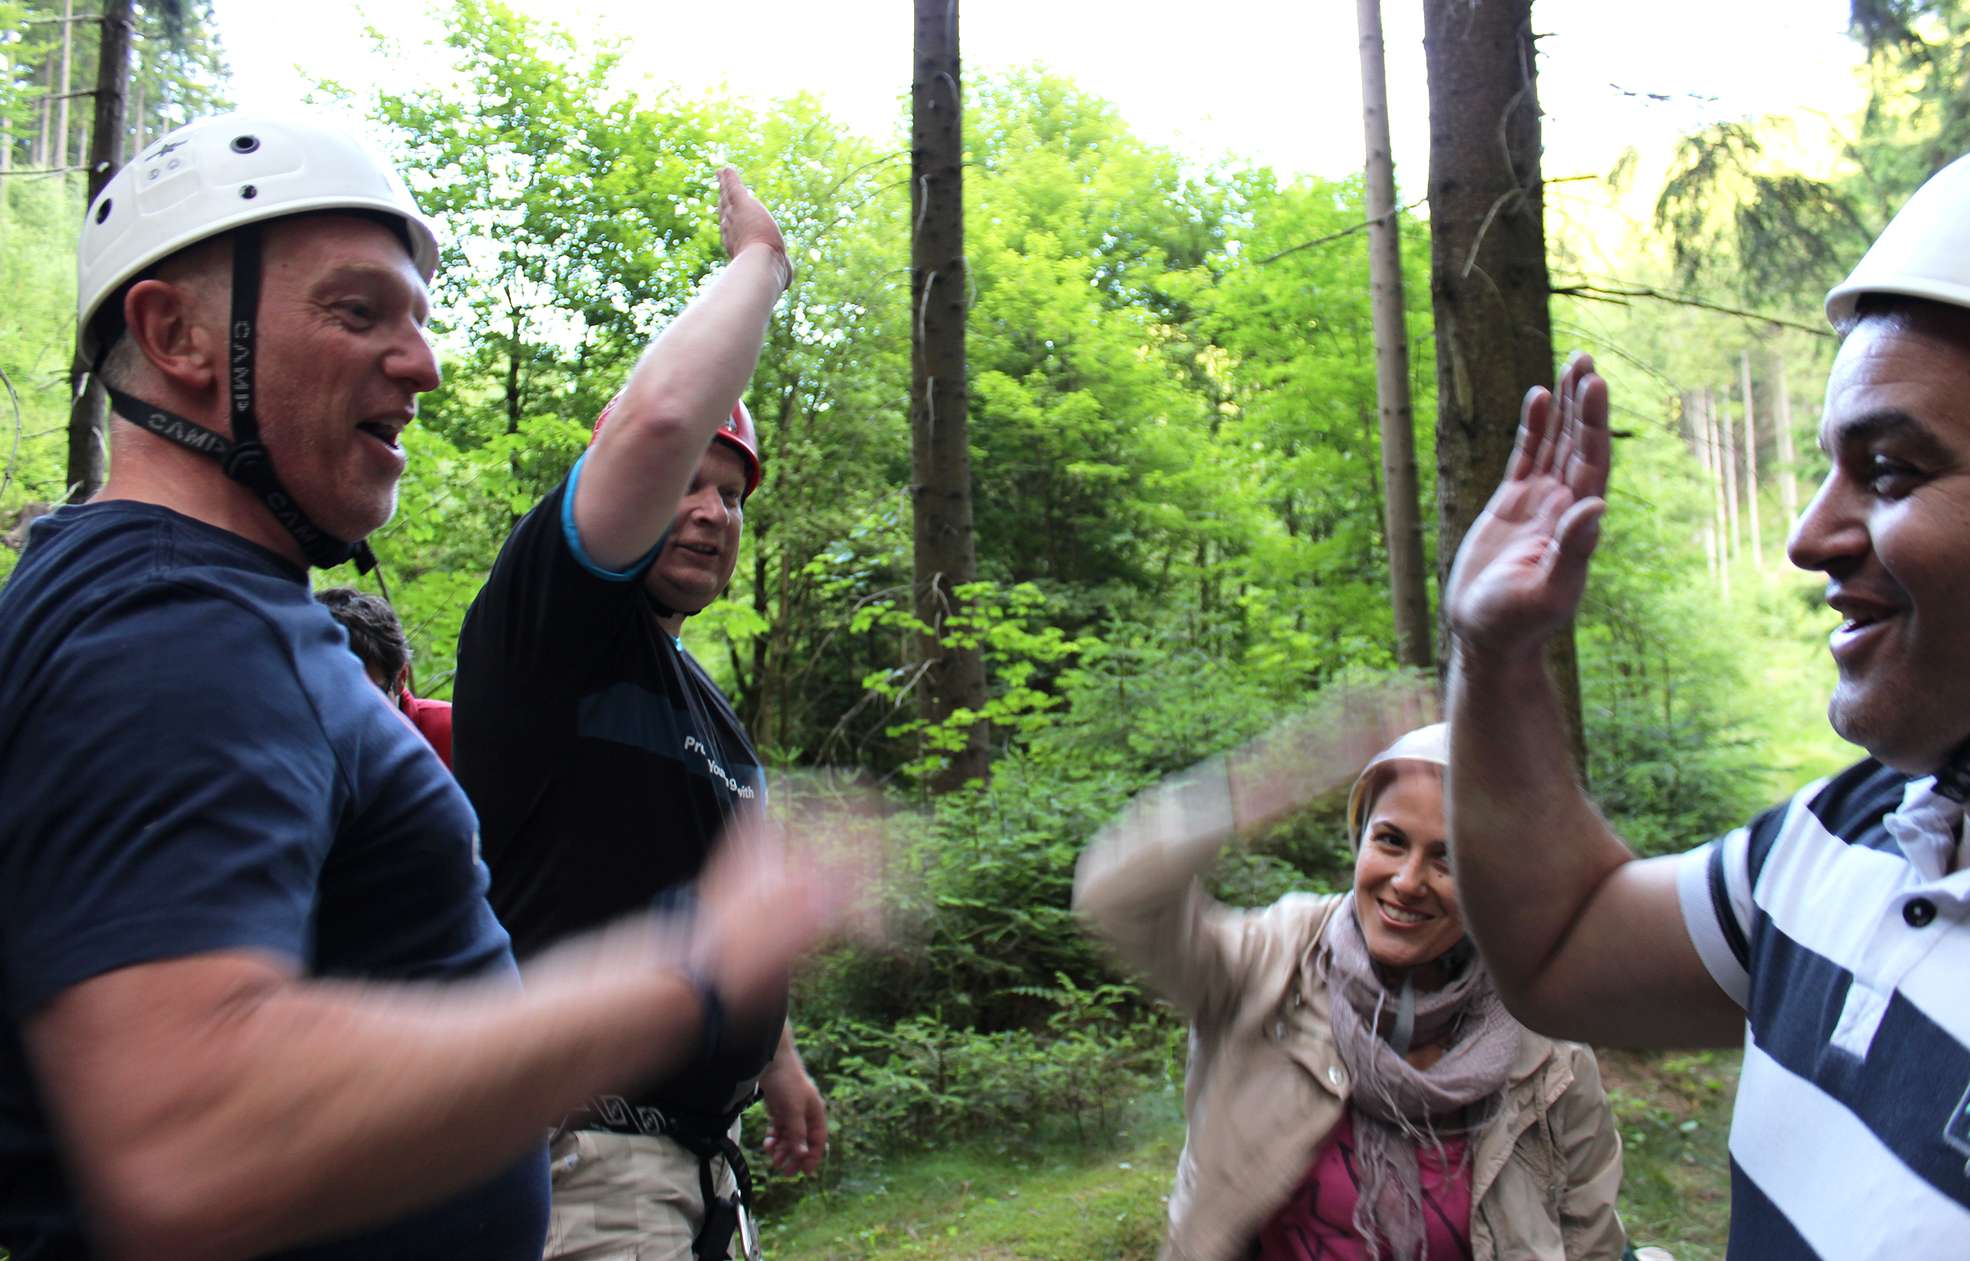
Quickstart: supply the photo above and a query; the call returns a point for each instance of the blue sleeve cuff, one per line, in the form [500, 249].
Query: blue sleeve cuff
[573, 536]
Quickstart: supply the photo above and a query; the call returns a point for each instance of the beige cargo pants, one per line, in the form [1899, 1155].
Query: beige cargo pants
[627, 1197]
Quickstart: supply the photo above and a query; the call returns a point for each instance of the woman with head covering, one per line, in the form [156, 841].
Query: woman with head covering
[1356, 1087]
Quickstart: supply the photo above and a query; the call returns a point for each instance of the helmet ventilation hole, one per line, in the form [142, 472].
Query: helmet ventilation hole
[248, 191]
[245, 144]
[102, 211]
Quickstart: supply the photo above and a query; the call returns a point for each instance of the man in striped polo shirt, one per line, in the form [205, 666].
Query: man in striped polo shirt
[1833, 933]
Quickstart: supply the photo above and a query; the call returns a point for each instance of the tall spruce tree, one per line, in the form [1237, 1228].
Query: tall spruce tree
[1488, 281]
[953, 678]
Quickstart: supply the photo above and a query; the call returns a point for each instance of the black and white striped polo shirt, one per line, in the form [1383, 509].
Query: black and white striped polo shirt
[1836, 923]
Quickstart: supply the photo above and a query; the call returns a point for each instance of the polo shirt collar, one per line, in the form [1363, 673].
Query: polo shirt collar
[1926, 826]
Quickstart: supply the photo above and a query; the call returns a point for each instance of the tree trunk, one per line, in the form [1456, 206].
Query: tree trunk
[1403, 526]
[43, 147]
[953, 677]
[1788, 470]
[1713, 468]
[1727, 451]
[1692, 404]
[1751, 458]
[61, 102]
[88, 406]
[1488, 282]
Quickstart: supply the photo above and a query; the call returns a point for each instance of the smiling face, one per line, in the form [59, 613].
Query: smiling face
[340, 359]
[703, 546]
[1403, 892]
[1889, 528]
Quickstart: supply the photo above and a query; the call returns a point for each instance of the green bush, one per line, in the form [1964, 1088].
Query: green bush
[924, 1082]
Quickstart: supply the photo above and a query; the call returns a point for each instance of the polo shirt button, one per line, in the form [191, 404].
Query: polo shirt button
[1917, 912]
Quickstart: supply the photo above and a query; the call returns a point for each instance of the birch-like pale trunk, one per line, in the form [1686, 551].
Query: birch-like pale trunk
[1788, 468]
[1751, 458]
[1402, 523]
[1727, 447]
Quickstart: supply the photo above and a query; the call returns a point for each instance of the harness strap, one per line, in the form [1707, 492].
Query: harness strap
[721, 1222]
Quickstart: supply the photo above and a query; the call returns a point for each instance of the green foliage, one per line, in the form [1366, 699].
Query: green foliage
[37, 337]
[558, 261]
[1019, 656]
[930, 1080]
[1674, 1113]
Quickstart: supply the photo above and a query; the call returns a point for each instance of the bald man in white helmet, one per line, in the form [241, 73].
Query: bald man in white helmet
[255, 1001]
[1832, 934]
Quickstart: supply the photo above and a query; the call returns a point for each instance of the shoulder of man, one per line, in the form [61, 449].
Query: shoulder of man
[544, 608]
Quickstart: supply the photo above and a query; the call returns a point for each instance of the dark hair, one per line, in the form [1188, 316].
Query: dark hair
[375, 634]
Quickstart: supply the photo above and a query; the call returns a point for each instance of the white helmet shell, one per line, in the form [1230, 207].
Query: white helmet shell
[219, 173]
[1429, 744]
[1924, 252]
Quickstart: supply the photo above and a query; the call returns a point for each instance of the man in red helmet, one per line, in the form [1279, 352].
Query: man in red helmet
[605, 764]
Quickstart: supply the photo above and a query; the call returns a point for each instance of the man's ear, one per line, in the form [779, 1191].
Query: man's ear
[403, 682]
[162, 319]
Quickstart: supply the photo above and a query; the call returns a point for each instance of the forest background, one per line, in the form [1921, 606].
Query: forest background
[1178, 503]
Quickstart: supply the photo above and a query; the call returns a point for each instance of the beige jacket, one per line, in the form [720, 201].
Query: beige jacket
[1266, 1083]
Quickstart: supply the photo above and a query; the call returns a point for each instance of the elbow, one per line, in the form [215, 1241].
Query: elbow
[651, 417]
[662, 402]
[1529, 1002]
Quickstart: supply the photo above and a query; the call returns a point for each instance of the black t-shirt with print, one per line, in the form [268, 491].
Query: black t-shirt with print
[603, 761]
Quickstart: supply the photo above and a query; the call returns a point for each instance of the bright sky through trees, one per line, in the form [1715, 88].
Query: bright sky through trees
[1273, 80]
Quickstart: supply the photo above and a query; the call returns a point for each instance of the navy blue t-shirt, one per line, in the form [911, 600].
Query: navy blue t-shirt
[192, 761]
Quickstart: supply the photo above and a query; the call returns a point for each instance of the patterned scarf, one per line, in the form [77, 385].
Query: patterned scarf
[1398, 1107]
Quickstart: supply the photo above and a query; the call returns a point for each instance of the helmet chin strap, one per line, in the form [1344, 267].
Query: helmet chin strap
[244, 457]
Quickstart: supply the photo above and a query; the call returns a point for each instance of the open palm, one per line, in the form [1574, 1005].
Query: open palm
[1521, 570]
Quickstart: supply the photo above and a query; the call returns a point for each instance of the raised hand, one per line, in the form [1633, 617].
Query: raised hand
[1522, 568]
[743, 221]
[1301, 759]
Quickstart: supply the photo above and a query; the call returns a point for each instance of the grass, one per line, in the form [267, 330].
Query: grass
[1006, 1201]
[1002, 1201]
[1674, 1110]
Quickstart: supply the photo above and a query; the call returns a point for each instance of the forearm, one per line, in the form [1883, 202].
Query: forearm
[699, 365]
[786, 1056]
[679, 394]
[1131, 883]
[378, 1100]
[1137, 888]
[1530, 849]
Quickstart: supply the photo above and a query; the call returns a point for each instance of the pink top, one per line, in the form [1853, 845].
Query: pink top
[1317, 1221]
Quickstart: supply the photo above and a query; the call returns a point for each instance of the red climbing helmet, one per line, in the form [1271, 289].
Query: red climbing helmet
[737, 432]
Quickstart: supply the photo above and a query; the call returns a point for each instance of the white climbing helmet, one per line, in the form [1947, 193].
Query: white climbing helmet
[1924, 252]
[1429, 745]
[218, 173]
